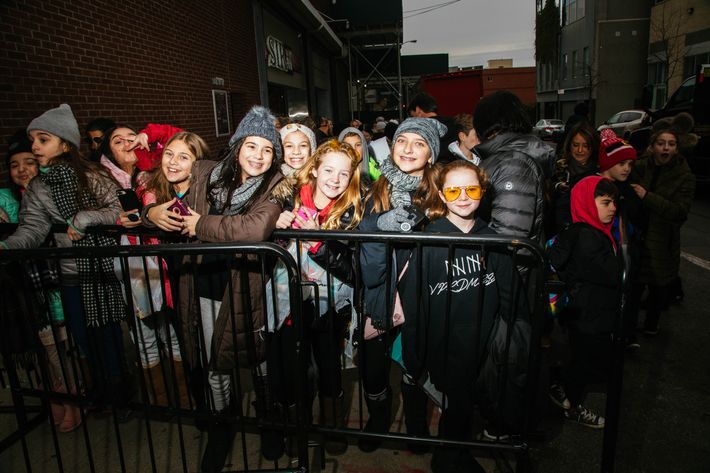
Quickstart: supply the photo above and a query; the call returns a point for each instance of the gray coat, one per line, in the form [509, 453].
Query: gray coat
[38, 213]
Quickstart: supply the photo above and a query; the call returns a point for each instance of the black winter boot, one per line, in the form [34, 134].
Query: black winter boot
[220, 437]
[329, 407]
[415, 415]
[380, 408]
[273, 445]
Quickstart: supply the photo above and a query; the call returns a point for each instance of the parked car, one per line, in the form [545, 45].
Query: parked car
[549, 129]
[692, 96]
[623, 123]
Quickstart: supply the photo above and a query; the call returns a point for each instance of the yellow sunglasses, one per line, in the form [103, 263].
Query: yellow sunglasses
[453, 193]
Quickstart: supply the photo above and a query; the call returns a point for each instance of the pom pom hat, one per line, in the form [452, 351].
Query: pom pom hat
[259, 122]
[614, 150]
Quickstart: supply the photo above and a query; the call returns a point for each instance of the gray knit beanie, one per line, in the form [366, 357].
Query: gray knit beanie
[428, 128]
[259, 122]
[58, 121]
[291, 127]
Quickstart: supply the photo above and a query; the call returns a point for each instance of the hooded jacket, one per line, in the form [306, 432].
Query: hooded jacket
[518, 167]
[457, 153]
[586, 259]
[481, 288]
[366, 177]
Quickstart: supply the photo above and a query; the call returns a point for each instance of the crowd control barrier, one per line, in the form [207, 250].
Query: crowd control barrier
[297, 377]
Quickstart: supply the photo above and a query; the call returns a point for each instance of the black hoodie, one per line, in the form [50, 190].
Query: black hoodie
[481, 288]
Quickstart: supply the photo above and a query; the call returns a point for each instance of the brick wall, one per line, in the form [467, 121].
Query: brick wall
[133, 61]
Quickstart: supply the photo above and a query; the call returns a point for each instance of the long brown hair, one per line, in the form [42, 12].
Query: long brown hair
[82, 168]
[157, 183]
[438, 208]
[424, 196]
[231, 176]
[590, 136]
[350, 198]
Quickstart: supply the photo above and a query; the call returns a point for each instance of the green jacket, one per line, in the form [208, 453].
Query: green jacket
[666, 206]
[9, 204]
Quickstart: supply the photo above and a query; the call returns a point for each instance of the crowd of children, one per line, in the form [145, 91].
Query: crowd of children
[194, 320]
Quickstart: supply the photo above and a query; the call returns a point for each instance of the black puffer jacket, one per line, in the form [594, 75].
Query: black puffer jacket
[518, 167]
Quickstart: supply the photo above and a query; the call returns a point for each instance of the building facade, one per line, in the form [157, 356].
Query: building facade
[679, 41]
[601, 59]
[196, 65]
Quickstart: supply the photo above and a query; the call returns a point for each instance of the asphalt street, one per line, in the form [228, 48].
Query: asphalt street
[665, 406]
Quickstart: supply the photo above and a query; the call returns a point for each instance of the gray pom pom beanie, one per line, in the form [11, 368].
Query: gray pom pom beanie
[259, 122]
[428, 128]
[58, 121]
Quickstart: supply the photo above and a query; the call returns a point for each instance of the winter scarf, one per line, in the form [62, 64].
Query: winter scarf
[100, 290]
[576, 169]
[287, 170]
[401, 183]
[241, 195]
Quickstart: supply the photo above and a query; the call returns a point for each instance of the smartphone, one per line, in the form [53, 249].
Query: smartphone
[416, 215]
[179, 207]
[129, 201]
[305, 213]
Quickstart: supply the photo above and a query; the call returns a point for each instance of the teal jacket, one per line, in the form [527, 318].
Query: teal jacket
[9, 204]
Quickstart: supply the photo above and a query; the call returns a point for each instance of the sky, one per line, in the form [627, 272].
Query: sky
[472, 31]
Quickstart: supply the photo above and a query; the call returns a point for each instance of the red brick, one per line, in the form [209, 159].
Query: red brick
[150, 67]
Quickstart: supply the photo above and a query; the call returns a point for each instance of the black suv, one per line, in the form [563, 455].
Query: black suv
[693, 96]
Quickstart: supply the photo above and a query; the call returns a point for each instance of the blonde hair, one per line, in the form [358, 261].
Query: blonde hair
[157, 182]
[438, 209]
[350, 198]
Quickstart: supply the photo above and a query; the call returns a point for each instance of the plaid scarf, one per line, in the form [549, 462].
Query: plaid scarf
[43, 276]
[100, 290]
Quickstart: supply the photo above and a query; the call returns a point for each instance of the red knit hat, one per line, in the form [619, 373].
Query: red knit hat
[613, 150]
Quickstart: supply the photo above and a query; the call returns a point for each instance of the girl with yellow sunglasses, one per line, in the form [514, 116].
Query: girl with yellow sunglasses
[473, 288]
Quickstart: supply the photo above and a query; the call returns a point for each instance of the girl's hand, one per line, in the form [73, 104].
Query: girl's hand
[310, 223]
[165, 219]
[640, 191]
[285, 220]
[189, 223]
[141, 142]
[307, 224]
[128, 223]
[73, 234]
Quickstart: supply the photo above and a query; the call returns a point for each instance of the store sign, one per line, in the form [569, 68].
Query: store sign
[278, 56]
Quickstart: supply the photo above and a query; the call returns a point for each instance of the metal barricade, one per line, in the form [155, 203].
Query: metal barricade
[157, 433]
[288, 368]
[530, 287]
